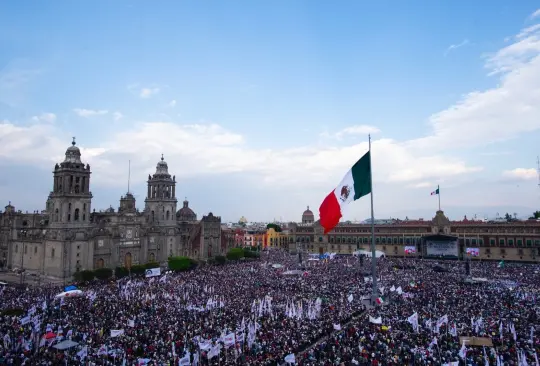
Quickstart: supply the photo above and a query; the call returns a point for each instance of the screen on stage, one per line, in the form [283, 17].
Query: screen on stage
[473, 252]
[410, 250]
[442, 248]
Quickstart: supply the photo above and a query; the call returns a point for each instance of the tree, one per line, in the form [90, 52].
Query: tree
[151, 265]
[121, 272]
[235, 254]
[276, 227]
[179, 264]
[103, 273]
[535, 216]
[507, 217]
[220, 259]
[87, 275]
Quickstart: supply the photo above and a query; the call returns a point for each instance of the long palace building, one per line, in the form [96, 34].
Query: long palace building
[515, 241]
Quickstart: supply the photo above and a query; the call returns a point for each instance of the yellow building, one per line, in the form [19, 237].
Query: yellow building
[275, 239]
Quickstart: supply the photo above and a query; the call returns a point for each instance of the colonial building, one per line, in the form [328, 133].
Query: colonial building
[517, 240]
[69, 236]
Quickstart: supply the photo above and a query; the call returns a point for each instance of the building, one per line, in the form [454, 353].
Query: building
[69, 236]
[516, 241]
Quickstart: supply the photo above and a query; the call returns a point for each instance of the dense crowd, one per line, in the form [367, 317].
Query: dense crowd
[269, 312]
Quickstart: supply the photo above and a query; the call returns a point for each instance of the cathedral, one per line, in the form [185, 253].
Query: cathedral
[68, 236]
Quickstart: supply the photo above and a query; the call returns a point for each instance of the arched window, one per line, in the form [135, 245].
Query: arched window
[69, 217]
[168, 215]
[56, 215]
[52, 252]
[100, 263]
[152, 215]
[76, 214]
[152, 257]
[84, 207]
[69, 207]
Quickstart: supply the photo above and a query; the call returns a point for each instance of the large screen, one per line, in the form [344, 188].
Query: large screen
[473, 252]
[442, 248]
[410, 250]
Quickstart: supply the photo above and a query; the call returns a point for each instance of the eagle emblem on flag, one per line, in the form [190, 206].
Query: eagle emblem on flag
[345, 191]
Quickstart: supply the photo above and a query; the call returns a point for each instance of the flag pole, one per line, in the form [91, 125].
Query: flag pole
[374, 289]
[438, 190]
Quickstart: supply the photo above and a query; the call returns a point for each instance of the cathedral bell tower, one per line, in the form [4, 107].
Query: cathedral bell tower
[70, 201]
[160, 203]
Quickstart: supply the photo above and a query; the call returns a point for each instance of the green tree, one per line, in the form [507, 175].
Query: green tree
[180, 264]
[235, 254]
[151, 265]
[535, 216]
[508, 217]
[138, 269]
[220, 259]
[276, 227]
[103, 273]
[87, 275]
[121, 272]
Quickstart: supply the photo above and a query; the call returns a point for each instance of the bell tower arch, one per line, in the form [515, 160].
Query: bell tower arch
[160, 203]
[69, 203]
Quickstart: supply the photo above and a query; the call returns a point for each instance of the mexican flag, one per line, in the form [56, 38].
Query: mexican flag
[355, 184]
[435, 192]
[380, 300]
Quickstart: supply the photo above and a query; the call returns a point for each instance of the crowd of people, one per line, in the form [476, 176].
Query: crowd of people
[271, 312]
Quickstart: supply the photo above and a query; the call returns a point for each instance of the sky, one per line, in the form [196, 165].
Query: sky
[260, 108]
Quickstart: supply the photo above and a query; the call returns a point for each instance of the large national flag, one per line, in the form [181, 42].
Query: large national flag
[435, 192]
[355, 184]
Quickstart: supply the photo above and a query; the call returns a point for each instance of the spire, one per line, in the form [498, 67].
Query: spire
[73, 142]
[308, 208]
[162, 157]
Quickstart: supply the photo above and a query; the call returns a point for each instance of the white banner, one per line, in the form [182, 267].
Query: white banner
[153, 272]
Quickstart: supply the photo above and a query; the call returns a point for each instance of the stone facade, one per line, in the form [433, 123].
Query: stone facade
[68, 236]
[516, 241]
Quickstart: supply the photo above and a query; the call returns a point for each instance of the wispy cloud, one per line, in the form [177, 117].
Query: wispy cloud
[148, 92]
[351, 131]
[454, 47]
[45, 117]
[172, 103]
[118, 116]
[89, 112]
[536, 14]
[521, 174]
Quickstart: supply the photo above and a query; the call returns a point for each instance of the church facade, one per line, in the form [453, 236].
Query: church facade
[70, 236]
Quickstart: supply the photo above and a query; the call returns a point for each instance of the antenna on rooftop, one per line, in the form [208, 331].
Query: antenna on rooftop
[129, 174]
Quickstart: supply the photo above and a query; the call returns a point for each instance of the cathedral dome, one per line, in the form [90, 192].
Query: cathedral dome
[162, 168]
[73, 154]
[186, 213]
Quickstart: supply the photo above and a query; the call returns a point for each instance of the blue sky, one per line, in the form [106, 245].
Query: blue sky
[261, 107]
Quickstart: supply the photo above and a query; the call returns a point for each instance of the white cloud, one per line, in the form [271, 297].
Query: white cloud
[351, 131]
[118, 116]
[148, 92]
[508, 110]
[45, 117]
[496, 114]
[86, 113]
[535, 14]
[521, 174]
[172, 103]
[453, 47]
